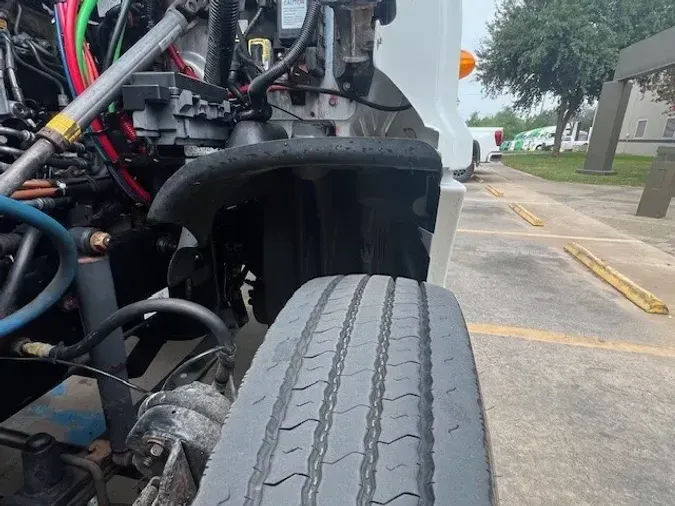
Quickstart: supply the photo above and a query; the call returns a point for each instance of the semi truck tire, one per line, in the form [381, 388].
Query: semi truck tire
[465, 175]
[363, 392]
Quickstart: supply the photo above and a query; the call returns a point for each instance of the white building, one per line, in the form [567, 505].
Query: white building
[648, 124]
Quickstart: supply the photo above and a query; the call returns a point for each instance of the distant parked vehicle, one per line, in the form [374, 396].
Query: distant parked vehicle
[580, 144]
[543, 142]
[486, 143]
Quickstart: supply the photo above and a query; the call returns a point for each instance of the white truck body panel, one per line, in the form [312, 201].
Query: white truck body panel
[428, 78]
[432, 89]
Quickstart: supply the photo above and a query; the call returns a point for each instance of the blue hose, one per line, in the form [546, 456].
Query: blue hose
[64, 275]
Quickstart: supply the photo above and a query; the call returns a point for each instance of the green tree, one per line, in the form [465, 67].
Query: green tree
[545, 118]
[563, 48]
[585, 118]
[663, 85]
[506, 118]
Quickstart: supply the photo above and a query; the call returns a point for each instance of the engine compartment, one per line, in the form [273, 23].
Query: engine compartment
[164, 167]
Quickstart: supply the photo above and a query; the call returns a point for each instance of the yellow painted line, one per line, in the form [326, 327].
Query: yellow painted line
[522, 202]
[546, 236]
[478, 179]
[527, 215]
[642, 298]
[545, 336]
[495, 191]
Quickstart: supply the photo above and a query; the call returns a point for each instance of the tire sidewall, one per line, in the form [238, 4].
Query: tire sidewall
[464, 175]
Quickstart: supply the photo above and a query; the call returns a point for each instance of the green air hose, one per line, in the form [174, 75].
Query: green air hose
[86, 10]
[83, 17]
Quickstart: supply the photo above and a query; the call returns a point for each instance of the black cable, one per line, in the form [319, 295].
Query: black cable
[139, 326]
[19, 15]
[248, 61]
[75, 365]
[129, 313]
[350, 96]
[116, 34]
[258, 87]
[181, 367]
[22, 260]
[121, 183]
[44, 74]
[287, 112]
[253, 22]
[46, 53]
[42, 64]
[58, 161]
[232, 88]
[10, 68]
[244, 55]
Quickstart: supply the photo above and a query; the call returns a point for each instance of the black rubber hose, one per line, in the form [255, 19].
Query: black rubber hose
[36, 55]
[222, 26]
[150, 13]
[232, 79]
[13, 438]
[251, 25]
[9, 243]
[116, 33]
[257, 90]
[22, 260]
[54, 161]
[51, 76]
[136, 310]
[10, 68]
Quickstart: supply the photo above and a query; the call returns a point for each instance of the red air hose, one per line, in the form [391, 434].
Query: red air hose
[178, 61]
[68, 14]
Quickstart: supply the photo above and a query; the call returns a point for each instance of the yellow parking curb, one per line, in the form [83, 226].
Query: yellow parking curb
[495, 191]
[478, 179]
[526, 215]
[645, 300]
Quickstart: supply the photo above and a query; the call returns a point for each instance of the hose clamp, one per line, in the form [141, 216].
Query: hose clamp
[61, 131]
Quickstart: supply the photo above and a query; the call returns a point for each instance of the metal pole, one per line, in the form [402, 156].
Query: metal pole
[140, 56]
[607, 128]
[67, 126]
[25, 166]
[96, 296]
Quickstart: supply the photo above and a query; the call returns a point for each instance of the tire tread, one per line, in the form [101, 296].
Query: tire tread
[365, 386]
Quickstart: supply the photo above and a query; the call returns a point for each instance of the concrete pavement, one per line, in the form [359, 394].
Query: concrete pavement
[577, 380]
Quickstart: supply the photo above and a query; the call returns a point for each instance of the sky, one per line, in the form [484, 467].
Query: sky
[476, 14]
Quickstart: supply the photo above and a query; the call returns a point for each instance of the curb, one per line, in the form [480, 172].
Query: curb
[642, 298]
[527, 215]
[495, 191]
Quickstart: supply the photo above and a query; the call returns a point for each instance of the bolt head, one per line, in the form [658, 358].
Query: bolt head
[156, 450]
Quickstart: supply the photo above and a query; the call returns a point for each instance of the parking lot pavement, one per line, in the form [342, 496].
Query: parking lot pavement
[576, 379]
[612, 205]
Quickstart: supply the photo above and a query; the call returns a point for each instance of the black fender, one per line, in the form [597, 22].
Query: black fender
[308, 207]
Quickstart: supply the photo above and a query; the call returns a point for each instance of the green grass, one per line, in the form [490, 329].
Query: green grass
[630, 170]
